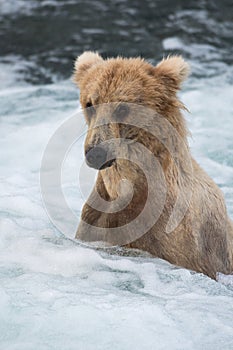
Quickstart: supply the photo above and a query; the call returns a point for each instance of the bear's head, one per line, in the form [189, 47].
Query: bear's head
[115, 91]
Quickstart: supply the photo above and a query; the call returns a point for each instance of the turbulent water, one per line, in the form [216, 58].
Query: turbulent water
[55, 293]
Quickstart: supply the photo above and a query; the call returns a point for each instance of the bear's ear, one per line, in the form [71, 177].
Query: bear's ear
[83, 63]
[173, 69]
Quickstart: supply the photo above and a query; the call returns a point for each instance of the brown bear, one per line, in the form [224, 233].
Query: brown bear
[114, 93]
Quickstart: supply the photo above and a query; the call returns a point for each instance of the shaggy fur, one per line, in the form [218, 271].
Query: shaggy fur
[203, 240]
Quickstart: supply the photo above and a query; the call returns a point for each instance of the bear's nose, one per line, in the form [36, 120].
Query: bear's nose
[96, 157]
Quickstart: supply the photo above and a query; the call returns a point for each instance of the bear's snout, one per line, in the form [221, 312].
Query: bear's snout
[96, 157]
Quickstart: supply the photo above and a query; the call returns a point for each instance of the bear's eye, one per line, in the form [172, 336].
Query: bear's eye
[121, 112]
[89, 104]
[90, 110]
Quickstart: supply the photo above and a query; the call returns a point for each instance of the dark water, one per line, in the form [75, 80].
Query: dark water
[48, 35]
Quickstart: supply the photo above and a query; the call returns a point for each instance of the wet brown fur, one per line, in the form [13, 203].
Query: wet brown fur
[203, 240]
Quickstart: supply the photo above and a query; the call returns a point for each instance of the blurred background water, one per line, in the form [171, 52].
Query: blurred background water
[55, 294]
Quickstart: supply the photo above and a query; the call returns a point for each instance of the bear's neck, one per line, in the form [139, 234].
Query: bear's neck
[137, 180]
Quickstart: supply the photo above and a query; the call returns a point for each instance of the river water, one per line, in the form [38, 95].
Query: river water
[55, 293]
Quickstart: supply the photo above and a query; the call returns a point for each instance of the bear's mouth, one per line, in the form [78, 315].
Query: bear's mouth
[108, 164]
